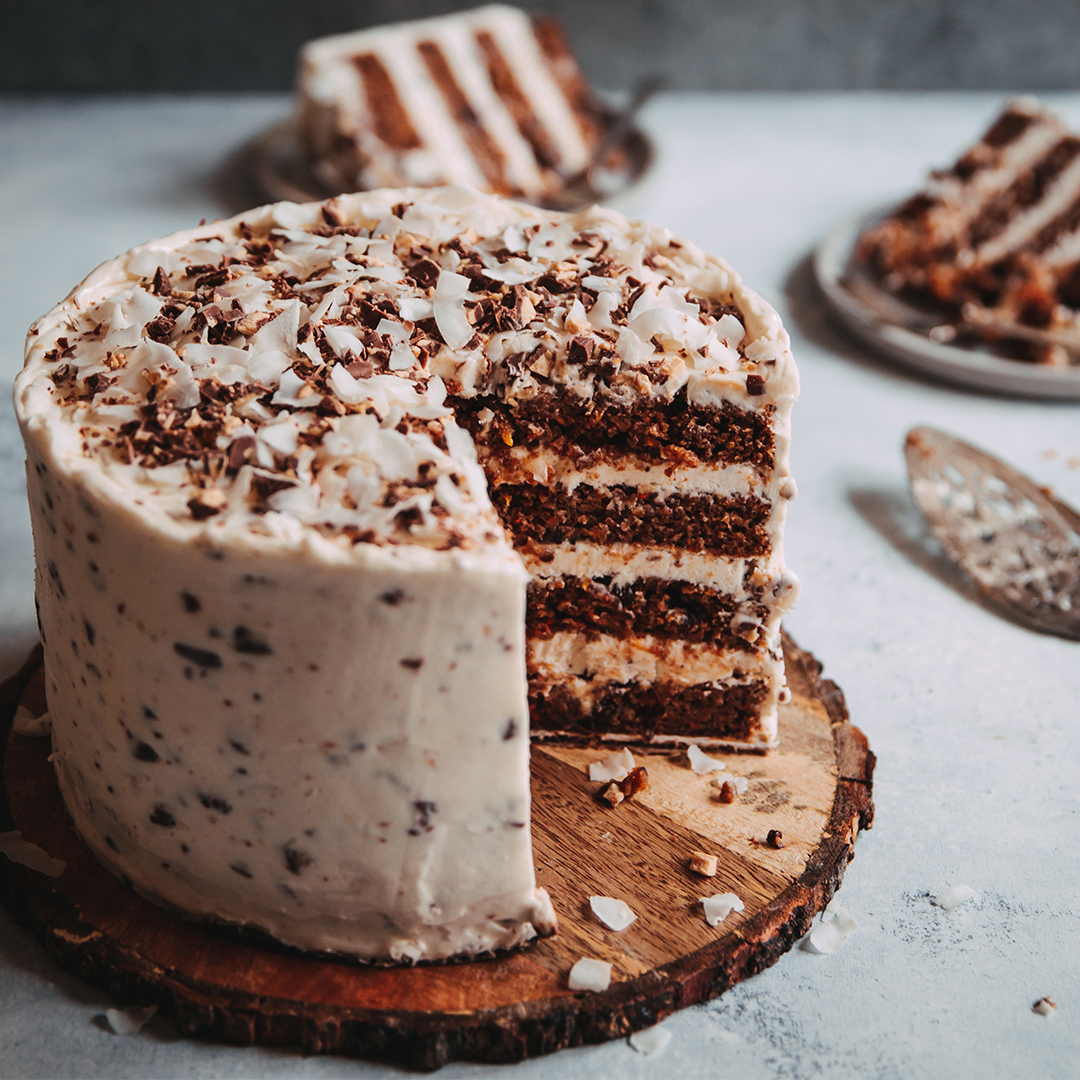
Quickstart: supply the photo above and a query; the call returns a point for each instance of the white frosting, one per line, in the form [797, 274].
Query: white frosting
[283, 628]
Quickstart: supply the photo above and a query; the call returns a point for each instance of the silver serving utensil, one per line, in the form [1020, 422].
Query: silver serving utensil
[1019, 544]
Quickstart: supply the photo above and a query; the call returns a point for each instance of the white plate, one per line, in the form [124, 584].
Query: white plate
[883, 321]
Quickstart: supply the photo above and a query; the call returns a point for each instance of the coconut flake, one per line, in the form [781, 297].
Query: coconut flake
[589, 974]
[651, 1041]
[701, 763]
[129, 1021]
[830, 933]
[26, 723]
[954, 897]
[719, 907]
[613, 767]
[613, 913]
[1045, 1006]
[24, 853]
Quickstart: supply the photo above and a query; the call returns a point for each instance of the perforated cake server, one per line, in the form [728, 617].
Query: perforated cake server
[1019, 544]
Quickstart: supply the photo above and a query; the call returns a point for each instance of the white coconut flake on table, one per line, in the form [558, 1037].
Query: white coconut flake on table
[613, 913]
[1045, 1007]
[614, 767]
[26, 723]
[954, 897]
[651, 1041]
[832, 932]
[701, 763]
[129, 1021]
[719, 907]
[24, 853]
[589, 974]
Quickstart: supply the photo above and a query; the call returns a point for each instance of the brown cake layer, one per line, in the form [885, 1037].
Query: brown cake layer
[517, 103]
[389, 117]
[674, 431]
[639, 711]
[678, 610]
[732, 525]
[482, 146]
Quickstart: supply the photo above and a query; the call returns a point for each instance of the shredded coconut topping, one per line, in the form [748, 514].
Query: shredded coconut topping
[294, 368]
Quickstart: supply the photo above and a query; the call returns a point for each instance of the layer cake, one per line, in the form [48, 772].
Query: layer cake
[327, 499]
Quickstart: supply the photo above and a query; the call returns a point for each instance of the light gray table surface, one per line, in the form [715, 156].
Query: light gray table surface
[976, 723]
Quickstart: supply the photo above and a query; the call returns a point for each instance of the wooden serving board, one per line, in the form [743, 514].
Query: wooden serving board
[815, 789]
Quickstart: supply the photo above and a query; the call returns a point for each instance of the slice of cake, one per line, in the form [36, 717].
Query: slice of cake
[327, 498]
[994, 241]
[493, 98]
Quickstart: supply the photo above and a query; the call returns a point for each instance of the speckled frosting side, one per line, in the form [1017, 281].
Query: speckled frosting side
[284, 626]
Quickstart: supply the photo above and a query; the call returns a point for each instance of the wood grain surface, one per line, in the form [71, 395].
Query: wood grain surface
[815, 789]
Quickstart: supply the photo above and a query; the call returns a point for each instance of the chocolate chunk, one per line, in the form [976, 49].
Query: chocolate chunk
[239, 450]
[203, 657]
[393, 597]
[414, 663]
[191, 603]
[162, 817]
[423, 812]
[241, 869]
[296, 860]
[510, 730]
[581, 349]
[90, 635]
[755, 385]
[239, 747]
[149, 713]
[215, 802]
[247, 641]
[425, 273]
[144, 751]
[361, 369]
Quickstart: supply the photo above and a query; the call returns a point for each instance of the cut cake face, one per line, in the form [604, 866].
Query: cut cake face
[492, 97]
[329, 499]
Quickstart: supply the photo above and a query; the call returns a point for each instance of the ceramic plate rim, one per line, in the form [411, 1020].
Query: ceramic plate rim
[966, 367]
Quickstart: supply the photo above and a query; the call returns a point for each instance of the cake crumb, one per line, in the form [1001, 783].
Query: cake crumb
[703, 864]
[636, 780]
[775, 839]
[728, 792]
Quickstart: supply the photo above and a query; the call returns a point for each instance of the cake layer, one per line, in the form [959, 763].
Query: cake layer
[674, 431]
[707, 714]
[735, 525]
[665, 609]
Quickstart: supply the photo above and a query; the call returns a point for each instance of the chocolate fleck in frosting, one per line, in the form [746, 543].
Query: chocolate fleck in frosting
[290, 475]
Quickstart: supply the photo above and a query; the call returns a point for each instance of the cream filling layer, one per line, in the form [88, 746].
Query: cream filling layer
[569, 657]
[551, 469]
[626, 563]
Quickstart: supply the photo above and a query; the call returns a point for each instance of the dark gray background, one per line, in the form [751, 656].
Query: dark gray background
[157, 45]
